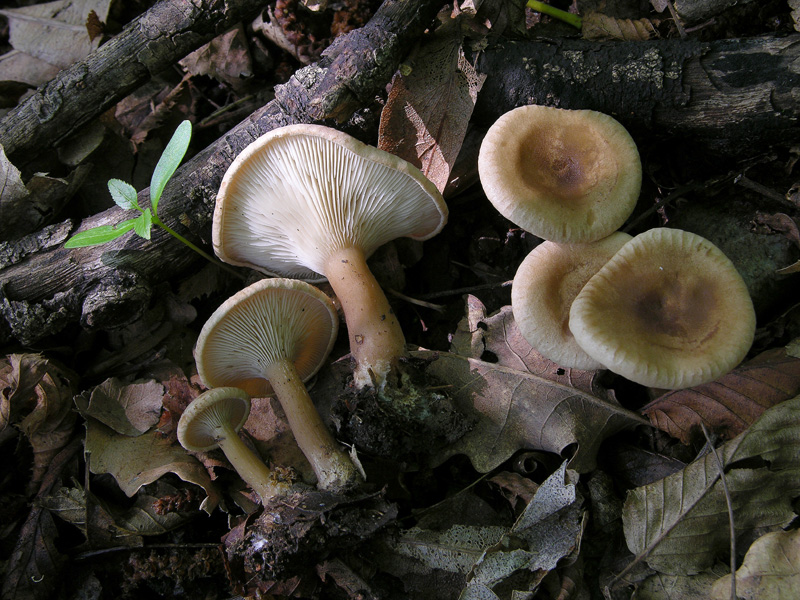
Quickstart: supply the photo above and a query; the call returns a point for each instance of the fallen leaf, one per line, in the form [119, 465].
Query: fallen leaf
[127, 408]
[770, 571]
[680, 523]
[795, 6]
[37, 399]
[730, 404]
[514, 408]
[226, 58]
[13, 192]
[675, 587]
[549, 529]
[136, 461]
[425, 117]
[597, 26]
[55, 32]
[23, 68]
[455, 549]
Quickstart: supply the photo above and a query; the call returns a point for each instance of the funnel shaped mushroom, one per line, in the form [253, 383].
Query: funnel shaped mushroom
[669, 310]
[213, 420]
[545, 285]
[268, 339]
[305, 200]
[570, 176]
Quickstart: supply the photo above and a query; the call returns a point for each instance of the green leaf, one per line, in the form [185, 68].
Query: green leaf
[99, 235]
[124, 194]
[169, 161]
[143, 223]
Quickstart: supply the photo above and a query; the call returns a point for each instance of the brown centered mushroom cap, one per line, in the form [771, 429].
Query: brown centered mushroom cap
[669, 310]
[545, 285]
[300, 193]
[267, 321]
[570, 176]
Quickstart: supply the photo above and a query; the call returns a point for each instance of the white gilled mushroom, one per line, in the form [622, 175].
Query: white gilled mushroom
[305, 200]
[545, 285]
[669, 310]
[269, 338]
[570, 176]
[213, 420]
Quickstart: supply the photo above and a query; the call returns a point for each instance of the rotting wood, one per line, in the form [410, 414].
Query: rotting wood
[151, 43]
[736, 96]
[44, 287]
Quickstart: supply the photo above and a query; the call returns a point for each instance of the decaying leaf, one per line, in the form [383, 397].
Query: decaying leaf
[730, 404]
[770, 571]
[549, 529]
[55, 32]
[129, 409]
[597, 26]
[36, 397]
[795, 6]
[514, 407]
[675, 587]
[13, 192]
[426, 115]
[680, 523]
[226, 58]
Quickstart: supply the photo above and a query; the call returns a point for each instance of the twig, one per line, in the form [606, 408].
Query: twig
[730, 508]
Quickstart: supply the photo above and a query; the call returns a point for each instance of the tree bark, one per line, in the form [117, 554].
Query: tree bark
[44, 287]
[151, 43]
[735, 96]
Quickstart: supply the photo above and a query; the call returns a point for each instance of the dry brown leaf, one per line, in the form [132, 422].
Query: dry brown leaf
[730, 404]
[426, 115]
[36, 397]
[597, 26]
[226, 58]
[515, 408]
[128, 408]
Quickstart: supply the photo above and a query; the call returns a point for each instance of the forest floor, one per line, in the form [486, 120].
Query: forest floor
[522, 479]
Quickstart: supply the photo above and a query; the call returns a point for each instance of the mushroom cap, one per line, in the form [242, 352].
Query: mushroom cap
[669, 310]
[209, 415]
[545, 285]
[564, 175]
[270, 320]
[301, 192]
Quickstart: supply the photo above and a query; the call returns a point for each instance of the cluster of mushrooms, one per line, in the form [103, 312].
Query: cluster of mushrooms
[666, 309]
[302, 203]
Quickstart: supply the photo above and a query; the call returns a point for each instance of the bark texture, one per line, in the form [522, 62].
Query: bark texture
[733, 96]
[151, 43]
[44, 287]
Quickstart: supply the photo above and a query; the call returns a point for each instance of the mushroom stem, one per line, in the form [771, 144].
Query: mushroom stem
[333, 468]
[376, 339]
[249, 466]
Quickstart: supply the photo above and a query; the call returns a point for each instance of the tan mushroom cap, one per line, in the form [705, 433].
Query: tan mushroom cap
[570, 176]
[200, 424]
[669, 310]
[302, 192]
[545, 285]
[267, 321]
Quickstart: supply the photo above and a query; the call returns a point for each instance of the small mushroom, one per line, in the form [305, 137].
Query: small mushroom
[570, 176]
[269, 338]
[669, 310]
[213, 420]
[306, 200]
[545, 285]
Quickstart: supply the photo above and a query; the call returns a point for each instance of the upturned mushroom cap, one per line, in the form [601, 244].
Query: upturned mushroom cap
[669, 310]
[268, 320]
[205, 418]
[564, 175]
[301, 192]
[545, 285]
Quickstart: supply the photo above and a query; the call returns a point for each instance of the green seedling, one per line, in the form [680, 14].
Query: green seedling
[556, 13]
[125, 196]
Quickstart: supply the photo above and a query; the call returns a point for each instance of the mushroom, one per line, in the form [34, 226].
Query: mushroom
[669, 310]
[213, 420]
[307, 200]
[570, 176]
[268, 339]
[546, 283]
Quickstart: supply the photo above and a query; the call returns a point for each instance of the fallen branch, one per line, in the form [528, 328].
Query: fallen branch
[44, 287]
[151, 43]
